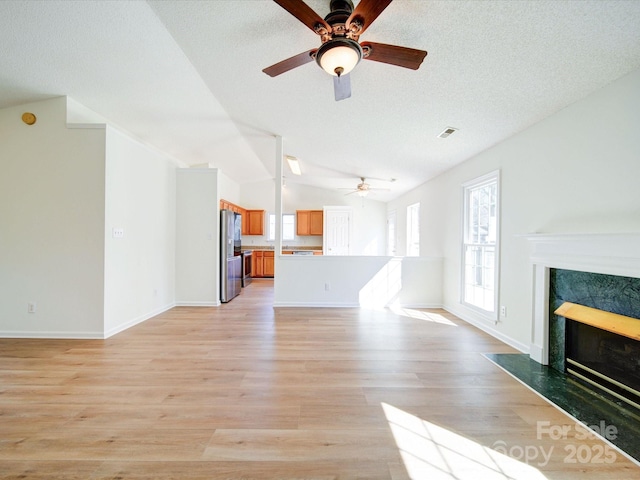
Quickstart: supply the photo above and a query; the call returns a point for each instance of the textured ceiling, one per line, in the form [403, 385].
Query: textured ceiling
[186, 77]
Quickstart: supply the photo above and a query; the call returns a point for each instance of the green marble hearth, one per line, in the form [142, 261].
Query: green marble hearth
[576, 398]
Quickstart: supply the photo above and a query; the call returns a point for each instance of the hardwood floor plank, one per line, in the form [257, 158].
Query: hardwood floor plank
[107, 444]
[300, 445]
[342, 417]
[248, 391]
[252, 470]
[187, 417]
[47, 470]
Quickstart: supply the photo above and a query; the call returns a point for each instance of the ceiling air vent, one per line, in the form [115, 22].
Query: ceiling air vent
[448, 131]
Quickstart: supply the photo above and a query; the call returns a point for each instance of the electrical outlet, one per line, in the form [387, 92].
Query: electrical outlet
[503, 311]
[31, 307]
[327, 287]
[118, 232]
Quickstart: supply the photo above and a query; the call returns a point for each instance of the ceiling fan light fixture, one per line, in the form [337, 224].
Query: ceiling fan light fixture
[363, 193]
[339, 56]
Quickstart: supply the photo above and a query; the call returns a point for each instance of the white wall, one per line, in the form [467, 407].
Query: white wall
[367, 278]
[140, 199]
[576, 171]
[228, 189]
[197, 237]
[51, 224]
[354, 281]
[369, 216]
[258, 195]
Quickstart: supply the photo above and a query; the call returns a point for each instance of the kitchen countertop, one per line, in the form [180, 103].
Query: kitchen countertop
[285, 248]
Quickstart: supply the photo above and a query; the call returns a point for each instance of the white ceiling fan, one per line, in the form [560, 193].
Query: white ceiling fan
[363, 189]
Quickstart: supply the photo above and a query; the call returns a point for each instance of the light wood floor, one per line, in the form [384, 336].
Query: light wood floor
[244, 391]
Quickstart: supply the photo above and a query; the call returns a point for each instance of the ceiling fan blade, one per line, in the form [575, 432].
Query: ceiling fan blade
[290, 63]
[342, 87]
[304, 13]
[394, 55]
[367, 11]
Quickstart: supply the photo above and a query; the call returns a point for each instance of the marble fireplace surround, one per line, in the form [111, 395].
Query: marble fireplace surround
[612, 254]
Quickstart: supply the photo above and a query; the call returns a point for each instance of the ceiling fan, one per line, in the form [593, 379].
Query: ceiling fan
[340, 50]
[363, 189]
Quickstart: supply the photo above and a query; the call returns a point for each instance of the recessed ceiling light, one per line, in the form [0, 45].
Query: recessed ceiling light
[447, 131]
[294, 165]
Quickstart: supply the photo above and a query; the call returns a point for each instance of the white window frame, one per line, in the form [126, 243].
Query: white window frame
[483, 248]
[413, 231]
[271, 234]
[392, 233]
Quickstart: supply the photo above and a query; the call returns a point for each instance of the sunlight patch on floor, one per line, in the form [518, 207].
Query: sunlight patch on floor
[421, 315]
[432, 452]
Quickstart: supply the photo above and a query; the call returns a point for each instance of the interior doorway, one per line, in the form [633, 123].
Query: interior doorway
[337, 231]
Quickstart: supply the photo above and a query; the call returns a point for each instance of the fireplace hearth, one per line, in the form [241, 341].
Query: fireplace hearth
[600, 271]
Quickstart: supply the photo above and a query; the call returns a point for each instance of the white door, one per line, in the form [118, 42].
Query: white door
[337, 231]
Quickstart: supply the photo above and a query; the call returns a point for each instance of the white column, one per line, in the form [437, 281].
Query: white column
[539, 350]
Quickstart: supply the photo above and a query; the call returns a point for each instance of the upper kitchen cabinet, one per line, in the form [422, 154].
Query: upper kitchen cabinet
[309, 222]
[254, 222]
[224, 205]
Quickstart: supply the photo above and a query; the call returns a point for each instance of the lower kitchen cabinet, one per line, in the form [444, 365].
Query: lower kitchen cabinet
[263, 263]
[268, 266]
[257, 267]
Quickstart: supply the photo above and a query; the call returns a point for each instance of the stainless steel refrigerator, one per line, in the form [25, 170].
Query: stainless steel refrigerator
[230, 259]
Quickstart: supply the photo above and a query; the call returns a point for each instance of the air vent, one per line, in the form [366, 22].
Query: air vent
[448, 131]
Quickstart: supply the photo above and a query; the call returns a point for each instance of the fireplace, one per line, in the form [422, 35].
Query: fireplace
[602, 349]
[613, 255]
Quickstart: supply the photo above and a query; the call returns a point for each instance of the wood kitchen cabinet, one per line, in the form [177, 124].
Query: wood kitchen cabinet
[268, 266]
[257, 269]
[309, 222]
[263, 263]
[254, 222]
[245, 224]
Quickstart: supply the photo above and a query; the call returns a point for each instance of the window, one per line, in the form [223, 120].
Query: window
[480, 241]
[413, 230]
[288, 226]
[391, 233]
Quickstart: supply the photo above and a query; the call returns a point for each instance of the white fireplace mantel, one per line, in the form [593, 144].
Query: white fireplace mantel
[612, 254]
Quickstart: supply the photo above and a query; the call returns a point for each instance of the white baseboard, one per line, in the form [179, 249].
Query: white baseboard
[430, 306]
[352, 305]
[53, 335]
[198, 304]
[135, 321]
[315, 305]
[486, 327]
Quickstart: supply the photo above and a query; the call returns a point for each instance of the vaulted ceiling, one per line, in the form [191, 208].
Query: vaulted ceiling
[186, 76]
